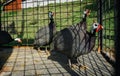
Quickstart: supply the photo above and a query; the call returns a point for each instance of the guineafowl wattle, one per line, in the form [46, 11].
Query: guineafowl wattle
[45, 35]
[76, 40]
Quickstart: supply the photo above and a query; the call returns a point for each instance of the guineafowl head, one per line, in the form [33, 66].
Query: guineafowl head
[96, 27]
[50, 14]
[86, 13]
[18, 40]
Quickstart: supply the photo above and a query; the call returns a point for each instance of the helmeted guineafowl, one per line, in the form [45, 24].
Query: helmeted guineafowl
[75, 40]
[45, 35]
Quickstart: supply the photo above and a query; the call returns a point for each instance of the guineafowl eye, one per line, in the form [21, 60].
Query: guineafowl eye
[95, 25]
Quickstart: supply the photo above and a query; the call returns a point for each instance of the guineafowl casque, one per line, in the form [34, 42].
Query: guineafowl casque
[75, 40]
[45, 35]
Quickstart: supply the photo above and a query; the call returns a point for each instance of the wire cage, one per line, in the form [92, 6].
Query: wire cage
[22, 18]
[108, 34]
[24, 21]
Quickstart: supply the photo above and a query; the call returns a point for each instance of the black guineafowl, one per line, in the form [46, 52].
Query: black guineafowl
[6, 38]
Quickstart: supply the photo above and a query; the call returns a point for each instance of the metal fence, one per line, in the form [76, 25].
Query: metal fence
[24, 21]
[33, 15]
[106, 17]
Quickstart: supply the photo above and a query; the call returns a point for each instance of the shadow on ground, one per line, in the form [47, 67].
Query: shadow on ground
[63, 61]
[5, 53]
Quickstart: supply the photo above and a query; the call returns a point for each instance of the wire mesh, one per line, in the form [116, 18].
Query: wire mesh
[23, 18]
[109, 27]
[25, 21]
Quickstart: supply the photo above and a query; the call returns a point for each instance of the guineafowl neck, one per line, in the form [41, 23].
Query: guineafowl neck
[93, 32]
[52, 20]
[84, 17]
[51, 24]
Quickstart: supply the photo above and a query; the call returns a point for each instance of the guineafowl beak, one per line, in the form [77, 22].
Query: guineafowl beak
[52, 14]
[100, 27]
[18, 40]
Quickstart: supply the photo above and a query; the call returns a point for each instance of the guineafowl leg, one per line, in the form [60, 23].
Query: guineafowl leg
[39, 49]
[69, 63]
[74, 63]
[47, 52]
[36, 47]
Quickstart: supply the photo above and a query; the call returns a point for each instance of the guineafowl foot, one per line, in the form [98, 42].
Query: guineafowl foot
[80, 66]
[83, 67]
[77, 66]
[47, 52]
[73, 64]
[99, 49]
[36, 47]
[39, 50]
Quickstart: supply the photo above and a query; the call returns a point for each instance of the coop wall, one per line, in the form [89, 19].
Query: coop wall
[13, 5]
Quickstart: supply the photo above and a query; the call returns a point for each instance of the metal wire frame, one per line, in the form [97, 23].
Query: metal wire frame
[28, 20]
[106, 17]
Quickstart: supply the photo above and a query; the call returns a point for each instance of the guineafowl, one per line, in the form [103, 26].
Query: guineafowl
[45, 35]
[75, 40]
[6, 38]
